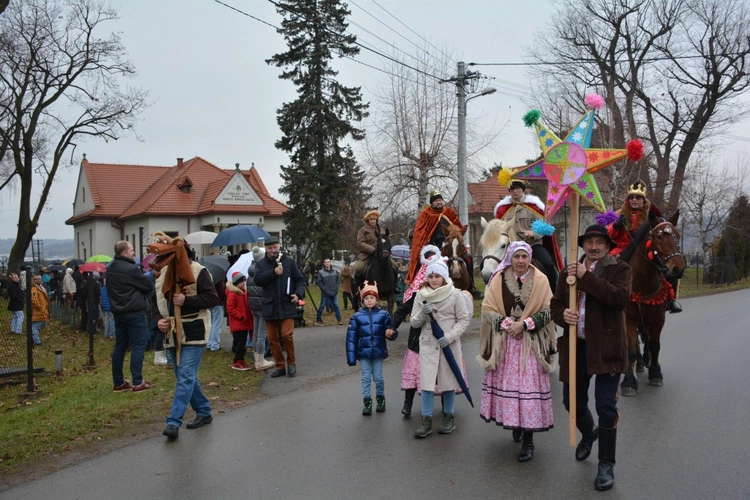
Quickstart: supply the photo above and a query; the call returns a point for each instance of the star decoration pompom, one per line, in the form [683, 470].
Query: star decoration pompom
[635, 150]
[530, 118]
[542, 228]
[607, 218]
[594, 101]
[504, 176]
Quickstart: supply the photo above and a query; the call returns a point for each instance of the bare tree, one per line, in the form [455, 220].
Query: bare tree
[669, 70]
[59, 83]
[411, 144]
[708, 196]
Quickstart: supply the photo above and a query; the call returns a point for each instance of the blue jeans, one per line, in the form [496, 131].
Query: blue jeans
[132, 330]
[449, 402]
[372, 369]
[36, 327]
[333, 301]
[109, 325]
[188, 389]
[214, 338]
[16, 322]
[259, 334]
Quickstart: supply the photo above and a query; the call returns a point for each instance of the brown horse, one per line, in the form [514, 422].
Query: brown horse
[655, 254]
[455, 250]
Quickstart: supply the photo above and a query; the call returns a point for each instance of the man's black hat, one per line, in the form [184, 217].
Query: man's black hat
[595, 230]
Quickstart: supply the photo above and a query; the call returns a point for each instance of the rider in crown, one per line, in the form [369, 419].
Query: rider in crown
[633, 213]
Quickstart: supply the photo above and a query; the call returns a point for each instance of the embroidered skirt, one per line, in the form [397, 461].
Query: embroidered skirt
[516, 399]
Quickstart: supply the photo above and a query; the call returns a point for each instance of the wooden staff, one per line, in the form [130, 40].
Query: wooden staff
[177, 319]
[572, 281]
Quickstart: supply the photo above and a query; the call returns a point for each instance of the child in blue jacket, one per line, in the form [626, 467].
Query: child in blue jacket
[365, 341]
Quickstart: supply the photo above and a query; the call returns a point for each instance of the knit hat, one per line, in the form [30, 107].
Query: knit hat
[369, 289]
[437, 267]
[372, 214]
[435, 195]
[237, 278]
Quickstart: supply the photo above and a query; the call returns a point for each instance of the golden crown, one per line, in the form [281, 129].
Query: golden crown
[637, 188]
[434, 192]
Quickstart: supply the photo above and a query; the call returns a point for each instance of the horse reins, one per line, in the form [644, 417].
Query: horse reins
[658, 262]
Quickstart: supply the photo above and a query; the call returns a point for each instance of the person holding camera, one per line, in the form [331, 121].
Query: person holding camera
[283, 286]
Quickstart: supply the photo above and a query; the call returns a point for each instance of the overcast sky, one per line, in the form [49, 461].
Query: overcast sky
[214, 96]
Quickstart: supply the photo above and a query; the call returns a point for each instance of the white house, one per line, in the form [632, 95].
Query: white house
[130, 202]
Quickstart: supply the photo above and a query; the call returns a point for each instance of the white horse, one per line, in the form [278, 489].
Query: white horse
[494, 242]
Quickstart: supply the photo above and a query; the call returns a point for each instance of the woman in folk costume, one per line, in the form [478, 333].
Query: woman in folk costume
[410, 368]
[517, 338]
[440, 299]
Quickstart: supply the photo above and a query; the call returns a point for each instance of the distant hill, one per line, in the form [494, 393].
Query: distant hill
[50, 249]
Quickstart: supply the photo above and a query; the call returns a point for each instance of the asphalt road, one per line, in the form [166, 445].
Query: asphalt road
[307, 439]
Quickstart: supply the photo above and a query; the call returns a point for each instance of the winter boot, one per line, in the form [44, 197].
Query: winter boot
[527, 447]
[425, 428]
[160, 358]
[448, 425]
[380, 407]
[605, 478]
[367, 408]
[408, 402]
[261, 363]
[589, 434]
[674, 307]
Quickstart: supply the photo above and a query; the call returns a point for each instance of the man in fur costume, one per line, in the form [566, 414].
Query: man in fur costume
[523, 209]
[429, 229]
[367, 242]
[633, 213]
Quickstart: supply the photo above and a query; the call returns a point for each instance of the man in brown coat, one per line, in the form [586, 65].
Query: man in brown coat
[604, 289]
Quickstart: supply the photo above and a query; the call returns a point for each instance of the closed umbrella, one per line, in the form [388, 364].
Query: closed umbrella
[217, 265]
[99, 258]
[240, 234]
[437, 332]
[201, 237]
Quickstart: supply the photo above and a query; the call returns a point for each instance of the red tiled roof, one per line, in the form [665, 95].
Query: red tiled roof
[124, 191]
[486, 194]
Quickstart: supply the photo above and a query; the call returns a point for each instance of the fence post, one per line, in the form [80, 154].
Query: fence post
[31, 392]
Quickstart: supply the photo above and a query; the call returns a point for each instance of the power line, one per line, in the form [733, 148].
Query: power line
[405, 26]
[246, 14]
[589, 61]
[385, 56]
[393, 30]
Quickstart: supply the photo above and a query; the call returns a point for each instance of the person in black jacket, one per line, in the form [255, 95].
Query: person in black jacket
[283, 286]
[15, 304]
[127, 288]
[255, 299]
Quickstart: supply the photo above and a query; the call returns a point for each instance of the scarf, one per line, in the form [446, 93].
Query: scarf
[492, 338]
[433, 295]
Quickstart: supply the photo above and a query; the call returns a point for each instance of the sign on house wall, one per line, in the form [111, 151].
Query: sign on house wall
[238, 192]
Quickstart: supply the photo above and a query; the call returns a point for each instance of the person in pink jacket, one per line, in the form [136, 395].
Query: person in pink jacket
[240, 319]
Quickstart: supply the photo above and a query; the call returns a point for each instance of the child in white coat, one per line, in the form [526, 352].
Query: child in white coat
[440, 298]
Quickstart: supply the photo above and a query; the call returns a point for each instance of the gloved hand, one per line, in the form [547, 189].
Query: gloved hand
[443, 341]
[619, 223]
[427, 308]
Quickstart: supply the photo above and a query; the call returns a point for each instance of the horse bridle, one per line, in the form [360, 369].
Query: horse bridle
[664, 227]
[490, 256]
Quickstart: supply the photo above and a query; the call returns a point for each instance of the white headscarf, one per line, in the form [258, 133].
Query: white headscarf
[513, 247]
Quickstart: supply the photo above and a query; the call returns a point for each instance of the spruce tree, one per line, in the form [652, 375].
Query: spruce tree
[322, 170]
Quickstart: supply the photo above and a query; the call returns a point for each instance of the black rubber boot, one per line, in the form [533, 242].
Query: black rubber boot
[674, 307]
[408, 402]
[589, 434]
[367, 407]
[605, 478]
[527, 447]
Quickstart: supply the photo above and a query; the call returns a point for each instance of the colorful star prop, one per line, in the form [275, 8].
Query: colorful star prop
[569, 164]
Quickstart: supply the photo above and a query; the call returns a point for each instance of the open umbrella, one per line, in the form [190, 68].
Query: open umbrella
[217, 265]
[201, 237]
[401, 252]
[99, 258]
[437, 332]
[242, 265]
[57, 267]
[72, 262]
[239, 234]
[90, 267]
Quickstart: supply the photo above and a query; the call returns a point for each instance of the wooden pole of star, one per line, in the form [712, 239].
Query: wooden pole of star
[572, 305]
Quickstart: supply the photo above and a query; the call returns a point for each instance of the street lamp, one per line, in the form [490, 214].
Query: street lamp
[463, 186]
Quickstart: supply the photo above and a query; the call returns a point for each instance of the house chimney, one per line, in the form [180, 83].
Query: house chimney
[179, 162]
[237, 168]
